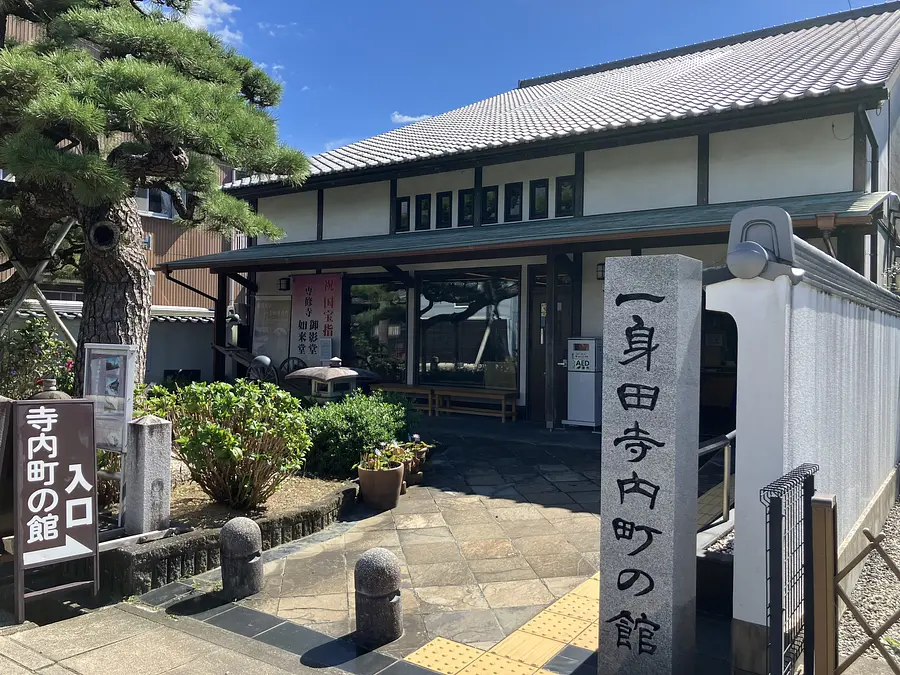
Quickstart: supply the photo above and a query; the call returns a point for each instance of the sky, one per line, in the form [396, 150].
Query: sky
[352, 69]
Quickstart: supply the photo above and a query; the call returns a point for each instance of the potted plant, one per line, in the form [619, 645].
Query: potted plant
[418, 453]
[380, 478]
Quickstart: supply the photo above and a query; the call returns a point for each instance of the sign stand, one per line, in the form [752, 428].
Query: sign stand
[55, 491]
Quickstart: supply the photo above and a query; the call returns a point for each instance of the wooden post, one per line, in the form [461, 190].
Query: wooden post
[220, 327]
[550, 348]
[476, 197]
[824, 542]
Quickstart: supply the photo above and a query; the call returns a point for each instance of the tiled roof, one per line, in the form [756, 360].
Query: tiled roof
[833, 54]
[386, 248]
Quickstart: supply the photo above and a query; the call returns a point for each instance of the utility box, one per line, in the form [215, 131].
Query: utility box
[585, 366]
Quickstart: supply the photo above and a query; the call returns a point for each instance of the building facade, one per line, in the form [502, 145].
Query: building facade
[471, 245]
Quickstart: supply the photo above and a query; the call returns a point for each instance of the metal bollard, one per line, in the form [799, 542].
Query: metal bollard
[240, 543]
[379, 609]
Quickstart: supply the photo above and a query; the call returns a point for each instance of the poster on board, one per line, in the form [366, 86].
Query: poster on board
[315, 316]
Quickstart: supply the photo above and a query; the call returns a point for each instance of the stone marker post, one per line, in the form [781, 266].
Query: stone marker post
[240, 546]
[648, 503]
[379, 607]
[148, 475]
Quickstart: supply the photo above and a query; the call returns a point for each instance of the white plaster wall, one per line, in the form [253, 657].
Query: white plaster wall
[709, 254]
[526, 171]
[781, 160]
[640, 177]
[592, 292]
[881, 126]
[843, 398]
[452, 181]
[294, 213]
[179, 345]
[357, 210]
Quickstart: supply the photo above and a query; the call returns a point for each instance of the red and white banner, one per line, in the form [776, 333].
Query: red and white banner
[316, 317]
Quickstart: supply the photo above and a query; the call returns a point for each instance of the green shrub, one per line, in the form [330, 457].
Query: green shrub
[238, 441]
[342, 431]
[30, 353]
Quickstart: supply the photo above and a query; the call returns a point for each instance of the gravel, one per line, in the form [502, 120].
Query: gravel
[876, 596]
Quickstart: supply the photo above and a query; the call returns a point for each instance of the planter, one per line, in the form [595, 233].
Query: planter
[381, 489]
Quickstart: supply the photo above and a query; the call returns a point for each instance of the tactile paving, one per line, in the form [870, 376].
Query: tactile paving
[555, 626]
[577, 606]
[589, 638]
[523, 647]
[444, 656]
[492, 664]
[589, 589]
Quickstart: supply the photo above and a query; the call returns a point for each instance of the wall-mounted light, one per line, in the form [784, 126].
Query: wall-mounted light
[601, 271]
[284, 284]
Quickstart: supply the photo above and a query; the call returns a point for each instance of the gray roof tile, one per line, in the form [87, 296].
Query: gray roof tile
[844, 52]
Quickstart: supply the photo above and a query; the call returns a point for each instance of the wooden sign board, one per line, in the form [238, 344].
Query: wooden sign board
[55, 478]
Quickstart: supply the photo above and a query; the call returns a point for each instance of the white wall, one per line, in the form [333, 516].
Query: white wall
[640, 177]
[881, 126]
[524, 172]
[357, 210]
[432, 184]
[179, 345]
[294, 213]
[781, 160]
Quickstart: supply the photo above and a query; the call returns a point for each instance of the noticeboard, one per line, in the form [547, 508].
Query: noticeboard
[55, 478]
[109, 383]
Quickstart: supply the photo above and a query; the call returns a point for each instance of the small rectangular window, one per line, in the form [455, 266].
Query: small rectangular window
[565, 196]
[466, 207]
[444, 210]
[539, 199]
[154, 201]
[423, 212]
[512, 202]
[402, 214]
[490, 204]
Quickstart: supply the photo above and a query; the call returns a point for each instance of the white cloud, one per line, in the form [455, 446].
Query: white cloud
[305, 87]
[337, 143]
[399, 118]
[215, 17]
[275, 28]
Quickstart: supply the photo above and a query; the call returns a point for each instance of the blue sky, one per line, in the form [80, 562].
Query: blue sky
[355, 68]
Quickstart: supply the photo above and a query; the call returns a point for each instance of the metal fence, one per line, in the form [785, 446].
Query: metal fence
[789, 563]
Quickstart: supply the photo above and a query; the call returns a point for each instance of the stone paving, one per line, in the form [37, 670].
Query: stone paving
[495, 535]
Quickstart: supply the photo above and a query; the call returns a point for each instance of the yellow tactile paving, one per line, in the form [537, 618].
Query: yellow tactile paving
[577, 606]
[596, 576]
[444, 656]
[555, 626]
[589, 638]
[492, 664]
[589, 589]
[523, 647]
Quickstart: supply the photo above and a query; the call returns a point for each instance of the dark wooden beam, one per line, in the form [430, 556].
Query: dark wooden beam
[244, 281]
[188, 286]
[550, 346]
[577, 277]
[320, 215]
[393, 207]
[859, 155]
[220, 327]
[636, 250]
[404, 278]
[579, 184]
[703, 169]
[477, 196]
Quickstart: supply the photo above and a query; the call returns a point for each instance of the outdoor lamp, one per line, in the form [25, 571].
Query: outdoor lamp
[284, 284]
[601, 271]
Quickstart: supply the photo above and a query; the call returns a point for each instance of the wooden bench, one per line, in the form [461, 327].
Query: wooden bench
[455, 400]
[414, 393]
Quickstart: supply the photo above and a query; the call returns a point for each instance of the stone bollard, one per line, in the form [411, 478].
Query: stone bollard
[379, 609]
[240, 543]
[148, 475]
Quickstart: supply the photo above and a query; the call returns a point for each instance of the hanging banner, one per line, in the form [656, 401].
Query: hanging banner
[316, 317]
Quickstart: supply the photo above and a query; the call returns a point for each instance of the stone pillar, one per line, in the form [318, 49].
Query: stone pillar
[648, 499]
[240, 544]
[379, 609]
[148, 475]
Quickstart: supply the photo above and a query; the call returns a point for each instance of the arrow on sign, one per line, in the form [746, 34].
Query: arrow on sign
[69, 549]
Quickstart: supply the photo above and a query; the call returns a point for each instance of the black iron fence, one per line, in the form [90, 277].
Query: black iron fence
[789, 565]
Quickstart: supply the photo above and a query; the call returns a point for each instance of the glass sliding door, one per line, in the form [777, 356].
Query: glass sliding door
[378, 334]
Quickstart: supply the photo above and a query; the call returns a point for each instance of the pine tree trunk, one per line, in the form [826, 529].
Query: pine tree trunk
[117, 292]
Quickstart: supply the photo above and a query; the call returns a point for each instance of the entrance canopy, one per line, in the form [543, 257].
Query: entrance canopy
[533, 237]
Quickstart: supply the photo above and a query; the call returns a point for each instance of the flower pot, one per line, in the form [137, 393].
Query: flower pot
[381, 489]
[413, 478]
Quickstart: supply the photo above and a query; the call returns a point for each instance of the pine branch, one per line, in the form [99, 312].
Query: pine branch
[167, 162]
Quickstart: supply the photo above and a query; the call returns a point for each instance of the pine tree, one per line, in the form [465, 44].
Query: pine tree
[119, 95]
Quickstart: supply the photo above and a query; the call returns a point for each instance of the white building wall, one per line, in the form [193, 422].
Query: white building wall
[294, 213]
[807, 157]
[524, 172]
[449, 181]
[357, 210]
[640, 177]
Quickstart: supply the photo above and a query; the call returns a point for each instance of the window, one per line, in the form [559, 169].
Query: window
[378, 329]
[490, 204]
[402, 207]
[469, 328]
[512, 197]
[565, 196]
[444, 209]
[155, 202]
[539, 199]
[466, 207]
[423, 212]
